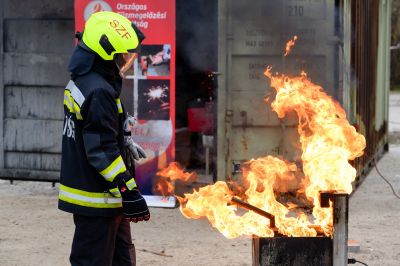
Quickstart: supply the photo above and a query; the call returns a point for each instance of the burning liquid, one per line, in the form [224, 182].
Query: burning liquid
[327, 141]
[165, 184]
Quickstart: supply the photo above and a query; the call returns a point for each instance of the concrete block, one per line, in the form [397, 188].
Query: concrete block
[34, 102]
[28, 174]
[39, 36]
[33, 161]
[353, 246]
[39, 9]
[27, 135]
[36, 69]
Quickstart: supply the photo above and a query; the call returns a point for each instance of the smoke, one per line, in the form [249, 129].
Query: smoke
[197, 34]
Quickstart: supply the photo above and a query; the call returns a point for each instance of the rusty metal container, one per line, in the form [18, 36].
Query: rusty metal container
[293, 251]
[310, 251]
[369, 84]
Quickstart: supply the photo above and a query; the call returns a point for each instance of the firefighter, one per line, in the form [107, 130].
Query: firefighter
[97, 183]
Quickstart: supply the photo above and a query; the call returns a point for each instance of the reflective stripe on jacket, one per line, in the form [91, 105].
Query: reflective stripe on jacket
[89, 199]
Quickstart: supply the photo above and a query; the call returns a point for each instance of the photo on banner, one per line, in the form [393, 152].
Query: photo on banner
[148, 90]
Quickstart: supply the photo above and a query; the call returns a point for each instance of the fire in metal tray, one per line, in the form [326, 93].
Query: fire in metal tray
[328, 142]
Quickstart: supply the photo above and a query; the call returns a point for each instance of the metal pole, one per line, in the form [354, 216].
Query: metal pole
[250, 207]
[340, 225]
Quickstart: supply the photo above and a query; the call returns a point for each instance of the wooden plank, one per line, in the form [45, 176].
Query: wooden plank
[32, 135]
[26, 174]
[39, 36]
[34, 102]
[39, 9]
[36, 69]
[1, 85]
[33, 161]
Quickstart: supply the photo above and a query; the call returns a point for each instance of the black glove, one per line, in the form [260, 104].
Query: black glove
[134, 206]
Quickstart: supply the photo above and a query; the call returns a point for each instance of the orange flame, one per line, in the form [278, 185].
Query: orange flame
[165, 185]
[328, 142]
[289, 45]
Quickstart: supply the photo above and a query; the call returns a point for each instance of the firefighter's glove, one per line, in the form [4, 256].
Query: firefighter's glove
[129, 123]
[134, 206]
[135, 152]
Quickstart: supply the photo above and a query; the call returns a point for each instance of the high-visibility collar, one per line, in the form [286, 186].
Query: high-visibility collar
[73, 99]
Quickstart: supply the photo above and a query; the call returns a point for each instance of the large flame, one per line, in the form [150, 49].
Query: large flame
[327, 141]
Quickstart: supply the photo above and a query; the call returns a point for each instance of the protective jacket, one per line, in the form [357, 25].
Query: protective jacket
[93, 151]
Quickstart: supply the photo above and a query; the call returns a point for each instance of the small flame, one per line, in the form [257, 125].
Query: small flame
[289, 45]
[165, 184]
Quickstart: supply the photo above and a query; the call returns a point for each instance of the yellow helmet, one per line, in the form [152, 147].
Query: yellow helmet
[108, 33]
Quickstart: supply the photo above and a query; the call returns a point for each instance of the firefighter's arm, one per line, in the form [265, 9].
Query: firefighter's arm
[100, 132]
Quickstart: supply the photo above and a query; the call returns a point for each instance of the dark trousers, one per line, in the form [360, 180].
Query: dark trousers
[102, 241]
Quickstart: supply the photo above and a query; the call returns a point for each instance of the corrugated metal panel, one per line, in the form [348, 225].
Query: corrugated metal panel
[364, 62]
[383, 68]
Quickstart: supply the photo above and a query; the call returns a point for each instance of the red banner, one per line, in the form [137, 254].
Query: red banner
[149, 88]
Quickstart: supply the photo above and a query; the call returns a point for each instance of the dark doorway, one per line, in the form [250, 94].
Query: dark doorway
[196, 63]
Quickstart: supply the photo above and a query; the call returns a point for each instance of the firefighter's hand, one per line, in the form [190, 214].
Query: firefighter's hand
[134, 149]
[134, 207]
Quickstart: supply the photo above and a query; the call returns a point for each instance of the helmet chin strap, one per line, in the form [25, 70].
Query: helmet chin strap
[115, 60]
[81, 44]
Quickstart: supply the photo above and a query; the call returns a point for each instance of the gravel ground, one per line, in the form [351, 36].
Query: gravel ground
[34, 232]
[375, 212]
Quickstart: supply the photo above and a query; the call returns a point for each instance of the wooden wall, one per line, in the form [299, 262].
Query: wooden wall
[36, 41]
